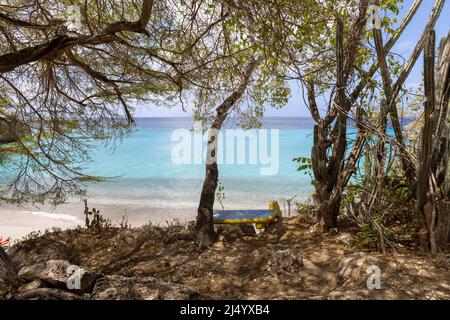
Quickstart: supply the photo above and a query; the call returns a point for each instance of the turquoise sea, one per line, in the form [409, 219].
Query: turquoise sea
[147, 177]
[153, 177]
[147, 184]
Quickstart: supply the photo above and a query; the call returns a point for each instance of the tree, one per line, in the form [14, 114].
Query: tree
[433, 209]
[332, 165]
[204, 232]
[70, 79]
[64, 87]
[67, 87]
[249, 77]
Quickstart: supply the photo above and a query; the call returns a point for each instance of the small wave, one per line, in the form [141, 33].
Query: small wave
[57, 216]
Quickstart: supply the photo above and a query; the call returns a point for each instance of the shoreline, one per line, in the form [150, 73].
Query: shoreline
[139, 202]
[17, 222]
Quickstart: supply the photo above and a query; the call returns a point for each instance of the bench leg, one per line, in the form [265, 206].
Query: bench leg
[259, 227]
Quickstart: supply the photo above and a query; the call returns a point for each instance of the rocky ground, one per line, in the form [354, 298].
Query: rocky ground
[288, 261]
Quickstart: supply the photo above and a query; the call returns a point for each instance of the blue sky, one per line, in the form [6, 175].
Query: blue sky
[404, 46]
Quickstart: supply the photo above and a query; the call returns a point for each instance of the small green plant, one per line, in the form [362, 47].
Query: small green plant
[98, 222]
[305, 164]
[124, 222]
[220, 194]
[333, 231]
[287, 204]
[305, 167]
[305, 212]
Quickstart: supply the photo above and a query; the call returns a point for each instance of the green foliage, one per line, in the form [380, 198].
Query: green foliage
[304, 208]
[220, 193]
[306, 212]
[369, 238]
[393, 211]
[98, 222]
[333, 231]
[305, 167]
[305, 163]
[93, 179]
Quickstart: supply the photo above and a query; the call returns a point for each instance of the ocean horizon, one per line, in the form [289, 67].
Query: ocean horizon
[145, 184]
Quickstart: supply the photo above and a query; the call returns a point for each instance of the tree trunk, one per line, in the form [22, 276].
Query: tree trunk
[327, 206]
[443, 224]
[433, 184]
[327, 168]
[8, 273]
[205, 235]
[441, 154]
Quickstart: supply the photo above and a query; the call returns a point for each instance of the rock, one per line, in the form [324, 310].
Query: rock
[346, 238]
[197, 269]
[8, 274]
[229, 233]
[116, 287]
[355, 266]
[219, 245]
[248, 230]
[360, 294]
[37, 283]
[314, 229]
[53, 271]
[46, 294]
[284, 262]
[61, 274]
[176, 249]
[275, 230]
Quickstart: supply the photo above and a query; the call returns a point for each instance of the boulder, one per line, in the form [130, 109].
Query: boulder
[346, 238]
[114, 287]
[231, 233]
[47, 294]
[35, 284]
[355, 266]
[284, 262]
[61, 274]
[8, 274]
[275, 230]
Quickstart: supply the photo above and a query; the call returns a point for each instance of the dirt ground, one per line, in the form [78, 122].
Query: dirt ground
[289, 261]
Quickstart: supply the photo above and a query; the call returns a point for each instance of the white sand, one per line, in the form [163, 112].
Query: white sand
[16, 222]
[139, 208]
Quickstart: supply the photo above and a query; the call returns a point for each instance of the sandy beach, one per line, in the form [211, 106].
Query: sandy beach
[17, 222]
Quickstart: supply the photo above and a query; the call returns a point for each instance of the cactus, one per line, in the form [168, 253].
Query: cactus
[97, 223]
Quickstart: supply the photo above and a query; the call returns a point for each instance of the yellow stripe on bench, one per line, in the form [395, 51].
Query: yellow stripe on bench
[261, 218]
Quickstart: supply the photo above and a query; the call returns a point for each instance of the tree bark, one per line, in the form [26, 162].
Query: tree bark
[60, 44]
[8, 273]
[327, 168]
[426, 209]
[433, 184]
[205, 235]
[441, 152]
[407, 162]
